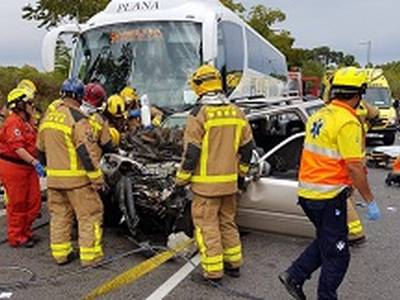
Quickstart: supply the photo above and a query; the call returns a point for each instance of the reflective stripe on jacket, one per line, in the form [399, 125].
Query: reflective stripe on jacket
[333, 137]
[218, 147]
[101, 132]
[71, 153]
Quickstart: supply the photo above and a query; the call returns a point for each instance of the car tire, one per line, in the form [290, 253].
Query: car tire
[389, 138]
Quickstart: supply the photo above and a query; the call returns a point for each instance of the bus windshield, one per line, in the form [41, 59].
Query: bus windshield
[156, 58]
[379, 97]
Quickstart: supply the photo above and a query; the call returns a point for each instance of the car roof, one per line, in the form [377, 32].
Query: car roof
[299, 105]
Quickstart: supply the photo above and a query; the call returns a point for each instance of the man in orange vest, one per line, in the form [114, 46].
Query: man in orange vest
[331, 163]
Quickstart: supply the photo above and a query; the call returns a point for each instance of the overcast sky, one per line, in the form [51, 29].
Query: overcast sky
[339, 24]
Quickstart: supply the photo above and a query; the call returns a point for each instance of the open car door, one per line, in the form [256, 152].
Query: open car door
[270, 203]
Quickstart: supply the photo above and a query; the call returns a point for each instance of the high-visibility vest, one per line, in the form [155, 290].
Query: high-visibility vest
[323, 172]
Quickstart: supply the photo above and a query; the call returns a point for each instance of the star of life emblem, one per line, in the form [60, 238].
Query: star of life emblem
[340, 245]
[316, 128]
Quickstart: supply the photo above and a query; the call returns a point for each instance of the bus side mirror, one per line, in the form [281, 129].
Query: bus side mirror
[396, 104]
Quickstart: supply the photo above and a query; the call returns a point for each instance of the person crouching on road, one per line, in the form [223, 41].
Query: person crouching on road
[218, 145]
[93, 104]
[67, 146]
[19, 169]
[331, 163]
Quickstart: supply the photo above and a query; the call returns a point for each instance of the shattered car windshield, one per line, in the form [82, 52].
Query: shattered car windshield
[154, 57]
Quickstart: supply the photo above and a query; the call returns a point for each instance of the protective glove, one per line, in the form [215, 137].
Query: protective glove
[39, 169]
[373, 212]
[135, 113]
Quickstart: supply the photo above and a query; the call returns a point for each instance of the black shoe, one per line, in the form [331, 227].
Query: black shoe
[200, 279]
[35, 238]
[357, 242]
[28, 244]
[293, 288]
[232, 272]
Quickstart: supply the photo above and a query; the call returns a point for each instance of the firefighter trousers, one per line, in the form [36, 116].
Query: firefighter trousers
[22, 188]
[86, 205]
[356, 230]
[216, 233]
[330, 249]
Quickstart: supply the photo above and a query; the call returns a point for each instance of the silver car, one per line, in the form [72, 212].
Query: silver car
[270, 202]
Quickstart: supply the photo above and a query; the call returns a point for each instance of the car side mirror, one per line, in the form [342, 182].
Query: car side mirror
[396, 104]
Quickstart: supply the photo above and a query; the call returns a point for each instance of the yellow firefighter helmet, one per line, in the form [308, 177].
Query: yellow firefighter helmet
[15, 96]
[29, 86]
[129, 94]
[206, 79]
[116, 106]
[350, 79]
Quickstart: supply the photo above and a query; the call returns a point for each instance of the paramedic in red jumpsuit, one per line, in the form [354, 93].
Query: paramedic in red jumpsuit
[19, 169]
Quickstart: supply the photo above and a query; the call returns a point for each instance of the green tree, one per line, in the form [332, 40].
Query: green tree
[63, 58]
[47, 83]
[392, 74]
[262, 20]
[234, 6]
[49, 13]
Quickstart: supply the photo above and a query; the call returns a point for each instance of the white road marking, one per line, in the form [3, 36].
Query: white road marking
[2, 212]
[175, 279]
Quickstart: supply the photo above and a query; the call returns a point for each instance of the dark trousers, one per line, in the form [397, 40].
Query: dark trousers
[329, 250]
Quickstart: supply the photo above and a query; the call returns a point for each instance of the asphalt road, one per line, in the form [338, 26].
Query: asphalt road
[374, 271]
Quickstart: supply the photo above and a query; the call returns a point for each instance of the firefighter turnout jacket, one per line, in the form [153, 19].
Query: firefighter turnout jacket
[68, 148]
[333, 137]
[218, 146]
[101, 132]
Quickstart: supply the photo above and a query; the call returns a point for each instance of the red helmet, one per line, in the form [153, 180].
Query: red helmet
[95, 94]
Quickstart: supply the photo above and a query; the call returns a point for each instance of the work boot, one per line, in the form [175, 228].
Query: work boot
[71, 257]
[357, 242]
[203, 280]
[232, 272]
[293, 288]
[25, 244]
[35, 238]
[28, 244]
[91, 263]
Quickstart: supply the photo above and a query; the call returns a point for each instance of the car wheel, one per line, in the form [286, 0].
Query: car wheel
[389, 139]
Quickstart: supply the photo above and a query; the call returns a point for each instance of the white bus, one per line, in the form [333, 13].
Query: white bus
[155, 45]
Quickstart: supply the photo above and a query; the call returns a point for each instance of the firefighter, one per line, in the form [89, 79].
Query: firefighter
[133, 106]
[116, 113]
[331, 163]
[94, 101]
[130, 97]
[19, 169]
[67, 145]
[218, 147]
